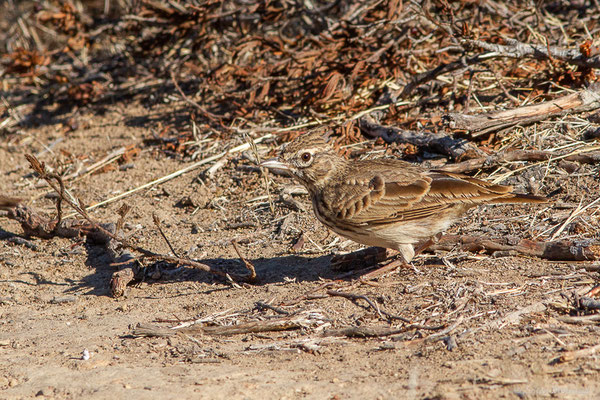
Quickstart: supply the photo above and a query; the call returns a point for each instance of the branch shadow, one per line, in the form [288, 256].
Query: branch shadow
[268, 270]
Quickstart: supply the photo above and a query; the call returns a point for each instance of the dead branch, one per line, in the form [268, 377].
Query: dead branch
[518, 155]
[560, 250]
[573, 355]
[457, 149]
[516, 49]
[307, 319]
[162, 233]
[34, 224]
[149, 330]
[443, 68]
[587, 303]
[363, 331]
[261, 305]
[593, 319]
[210, 116]
[118, 241]
[481, 124]
[513, 317]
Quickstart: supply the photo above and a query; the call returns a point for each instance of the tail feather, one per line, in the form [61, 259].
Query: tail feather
[516, 198]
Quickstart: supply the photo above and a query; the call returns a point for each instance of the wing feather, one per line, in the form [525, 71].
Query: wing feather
[387, 197]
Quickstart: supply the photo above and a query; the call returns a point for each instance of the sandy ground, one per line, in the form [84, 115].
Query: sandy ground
[55, 303]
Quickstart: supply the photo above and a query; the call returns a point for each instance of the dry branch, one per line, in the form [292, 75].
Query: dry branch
[573, 355]
[35, 224]
[363, 331]
[354, 297]
[511, 318]
[442, 144]
[115, 244]
[444, 68]
[306, 319]
[584, 100]
[560, 250]
[593, 319]
[516, 49]
[519, 155]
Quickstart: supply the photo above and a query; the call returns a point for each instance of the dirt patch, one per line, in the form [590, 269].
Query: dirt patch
[56, 304]
[114, 95]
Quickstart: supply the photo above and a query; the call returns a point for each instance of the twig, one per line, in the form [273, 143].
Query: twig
[249, 266]
[589, 303]
[177, 173]
[512, 318]
[427, 76]
[109, 158]
[440, 335]
[363, 331]
[576, 212]
[204, 111]
[263, 172]
[278, 310]
[593, 319]
[438, 143]
[307, 319]
[162, 233]
[374, 306]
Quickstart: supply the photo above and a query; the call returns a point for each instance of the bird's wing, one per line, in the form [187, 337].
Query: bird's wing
[388, 197]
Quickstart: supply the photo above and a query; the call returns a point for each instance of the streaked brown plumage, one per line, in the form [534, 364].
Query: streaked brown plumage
[387, 203]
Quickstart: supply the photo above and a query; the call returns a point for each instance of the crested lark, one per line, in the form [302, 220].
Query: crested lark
[386, 203]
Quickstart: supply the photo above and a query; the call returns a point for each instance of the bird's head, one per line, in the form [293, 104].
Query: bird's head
[309, 158]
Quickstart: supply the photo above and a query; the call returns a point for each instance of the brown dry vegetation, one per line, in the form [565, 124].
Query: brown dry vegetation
[113, 95]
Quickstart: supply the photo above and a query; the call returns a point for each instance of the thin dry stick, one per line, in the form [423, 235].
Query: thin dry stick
[204, 111]
[578, 211]
[162, 233]
[582, 156]
[481, 124]
[247, 263]
[302, 320]
[263, 173]
[177, 173]
[514, 171]
[109, 158]
[374, 306]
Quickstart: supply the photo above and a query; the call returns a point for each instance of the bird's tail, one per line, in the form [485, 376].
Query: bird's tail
[514, 198]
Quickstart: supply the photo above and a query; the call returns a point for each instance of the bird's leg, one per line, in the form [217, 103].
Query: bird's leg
[432, 240]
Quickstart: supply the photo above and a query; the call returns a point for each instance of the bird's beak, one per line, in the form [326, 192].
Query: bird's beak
[274, 163]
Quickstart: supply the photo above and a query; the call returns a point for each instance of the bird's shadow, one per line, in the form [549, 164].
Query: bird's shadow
[281, 269]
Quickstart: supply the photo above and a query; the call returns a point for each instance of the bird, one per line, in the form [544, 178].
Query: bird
[386, 203]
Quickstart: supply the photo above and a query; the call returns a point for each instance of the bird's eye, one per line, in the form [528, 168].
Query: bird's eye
[305, 157]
